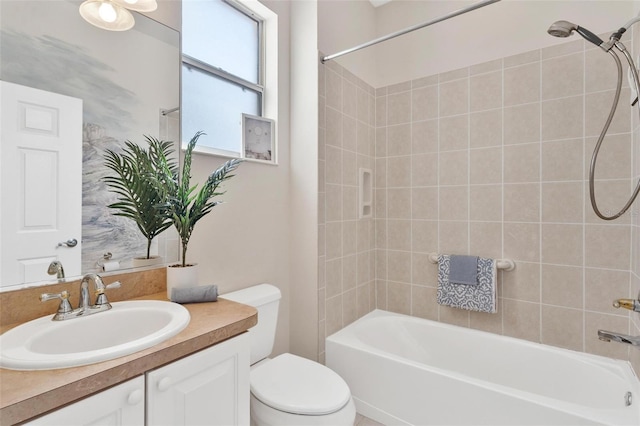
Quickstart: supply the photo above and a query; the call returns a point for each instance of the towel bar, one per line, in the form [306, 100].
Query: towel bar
[505, 264]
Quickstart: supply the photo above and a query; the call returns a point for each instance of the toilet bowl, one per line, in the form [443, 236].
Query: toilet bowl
[288, 389]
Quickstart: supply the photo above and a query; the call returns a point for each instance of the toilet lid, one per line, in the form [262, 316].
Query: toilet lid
[297, 385]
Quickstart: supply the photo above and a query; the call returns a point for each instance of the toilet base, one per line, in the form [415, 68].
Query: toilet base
[263, 415]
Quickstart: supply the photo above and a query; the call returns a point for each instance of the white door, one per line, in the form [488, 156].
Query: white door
[121, 405]
[210, 387]
[41, 182]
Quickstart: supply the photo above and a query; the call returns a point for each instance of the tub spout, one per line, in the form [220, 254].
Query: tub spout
[608, 336]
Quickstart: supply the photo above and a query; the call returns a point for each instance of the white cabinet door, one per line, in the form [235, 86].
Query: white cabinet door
[118, 406]
[210, 387]
[41, 182]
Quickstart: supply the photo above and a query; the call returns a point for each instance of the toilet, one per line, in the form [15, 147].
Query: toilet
[288, 389]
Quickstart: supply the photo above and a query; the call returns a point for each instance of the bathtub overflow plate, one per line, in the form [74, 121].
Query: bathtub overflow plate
[628, 399]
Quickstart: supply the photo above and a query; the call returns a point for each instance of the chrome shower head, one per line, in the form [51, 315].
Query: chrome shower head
[565, 28]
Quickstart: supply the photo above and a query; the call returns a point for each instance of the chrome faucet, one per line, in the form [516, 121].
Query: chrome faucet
[65, 311]
[607, 336]
[55, 268]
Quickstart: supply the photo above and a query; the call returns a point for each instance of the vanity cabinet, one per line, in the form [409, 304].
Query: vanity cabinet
[120, 405]
[209, 387]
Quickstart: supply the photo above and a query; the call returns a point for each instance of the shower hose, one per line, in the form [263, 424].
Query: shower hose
[594, 157]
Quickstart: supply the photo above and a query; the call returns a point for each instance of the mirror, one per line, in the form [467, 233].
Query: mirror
[129, 86]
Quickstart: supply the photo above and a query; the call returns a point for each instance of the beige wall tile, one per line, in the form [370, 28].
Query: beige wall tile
[454, 132]
[399, 87]
[333, 239]
[522, 124]
[333, 134]
[453, 75]
[362, 104]
[491, 323]
[399, 140]
[333, 271]
[424, 136]
[399, 266]
[423, 272]
[381, 264]
[597, 108]
[399, 203]
[333, 82]
[485, 165]
[399, 108]
[424, 203]
[521, 319]
[349, 134]
[453, 237]
[333, 165]
[495, 65]
[563, 49]
[424, 170]
[423, 302]
[334, 202]
[562, 244]
[399, 298]
[424, 81]
[562, 286]
[365, 231]
[380, 175]
[380, 142]
[562, 118]
[349, 237]
[523, 283]
[349, 307]
[522, 163]
[607, 246]
[424, 236]
[561, 160]
[454, 97]
[485, 202]
[563, 76]
[399, 234]
[485, 129]
[454, 316]
[454, 203]
[349, 202]
[485, 91]
[363, 302]
[365, 274]
[522, 202]
[453, 168]
[381, 294]
[380, 203]
[522, 241]
[521, 58]
[485, 239]
[349, 98]
[614, 157]
[349, 270]
[349, 168]
[333, 321]
[424, 103]
[562, 202]
[381, 233]
[600, 72]
[611, 196]
[562, 327]
[522, 84]
[381, 111]
[399, 171]
[603, 286]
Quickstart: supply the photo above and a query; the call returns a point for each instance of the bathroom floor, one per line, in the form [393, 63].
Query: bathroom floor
[365, 421]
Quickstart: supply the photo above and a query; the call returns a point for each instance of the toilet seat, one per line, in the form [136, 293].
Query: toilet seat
[297, 385]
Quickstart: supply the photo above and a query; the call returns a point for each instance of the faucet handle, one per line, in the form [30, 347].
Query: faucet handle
[65, 306]
[101, 298]
[630, 304]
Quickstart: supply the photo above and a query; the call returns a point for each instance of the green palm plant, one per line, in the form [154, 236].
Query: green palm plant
[133, 182]
[182, 204]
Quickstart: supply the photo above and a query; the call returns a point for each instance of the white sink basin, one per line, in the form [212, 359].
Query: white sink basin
[128, 327]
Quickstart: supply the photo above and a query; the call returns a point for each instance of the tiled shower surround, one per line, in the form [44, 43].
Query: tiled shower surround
[489, 160]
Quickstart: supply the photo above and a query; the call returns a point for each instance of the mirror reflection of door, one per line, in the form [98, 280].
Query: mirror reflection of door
[41, 159]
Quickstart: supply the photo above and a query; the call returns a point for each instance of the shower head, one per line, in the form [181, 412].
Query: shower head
[566, 28]
[562, 29]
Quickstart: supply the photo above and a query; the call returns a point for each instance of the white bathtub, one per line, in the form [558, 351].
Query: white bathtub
[406, 370]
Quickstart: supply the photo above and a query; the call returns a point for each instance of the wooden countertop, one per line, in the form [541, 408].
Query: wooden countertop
[27, 394]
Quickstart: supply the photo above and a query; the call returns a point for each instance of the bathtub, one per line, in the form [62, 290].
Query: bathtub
[408, 371]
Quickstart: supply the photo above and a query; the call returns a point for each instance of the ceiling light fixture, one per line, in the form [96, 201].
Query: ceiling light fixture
[114, 15]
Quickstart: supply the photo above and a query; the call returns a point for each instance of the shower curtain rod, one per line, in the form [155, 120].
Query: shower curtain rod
[410, 29]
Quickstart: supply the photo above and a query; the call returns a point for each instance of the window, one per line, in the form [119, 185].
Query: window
[222, 72]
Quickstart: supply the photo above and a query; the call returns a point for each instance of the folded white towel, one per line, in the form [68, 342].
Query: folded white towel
[481, 297]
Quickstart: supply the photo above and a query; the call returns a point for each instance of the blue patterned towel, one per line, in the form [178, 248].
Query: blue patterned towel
[481, 297]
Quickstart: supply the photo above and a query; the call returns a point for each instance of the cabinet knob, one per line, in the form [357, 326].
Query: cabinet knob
[164, 384]
[135, 397]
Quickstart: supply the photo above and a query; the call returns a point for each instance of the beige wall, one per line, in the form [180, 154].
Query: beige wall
[635, 248]
[245, 240]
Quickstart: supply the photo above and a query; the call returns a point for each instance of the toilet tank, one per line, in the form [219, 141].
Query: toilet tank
[265, 298]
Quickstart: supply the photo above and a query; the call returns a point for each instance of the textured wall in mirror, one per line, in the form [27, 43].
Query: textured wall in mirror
[125, 80]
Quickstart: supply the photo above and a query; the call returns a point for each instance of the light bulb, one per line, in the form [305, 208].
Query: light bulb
[107, 12]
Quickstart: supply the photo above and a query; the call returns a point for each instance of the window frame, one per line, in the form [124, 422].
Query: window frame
[258, 87]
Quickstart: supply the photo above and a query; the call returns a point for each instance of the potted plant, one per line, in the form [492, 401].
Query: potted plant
[137, 195]
[184, 205]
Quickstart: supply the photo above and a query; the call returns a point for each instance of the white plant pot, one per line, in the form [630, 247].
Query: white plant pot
[139, 262]
[179, 277]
